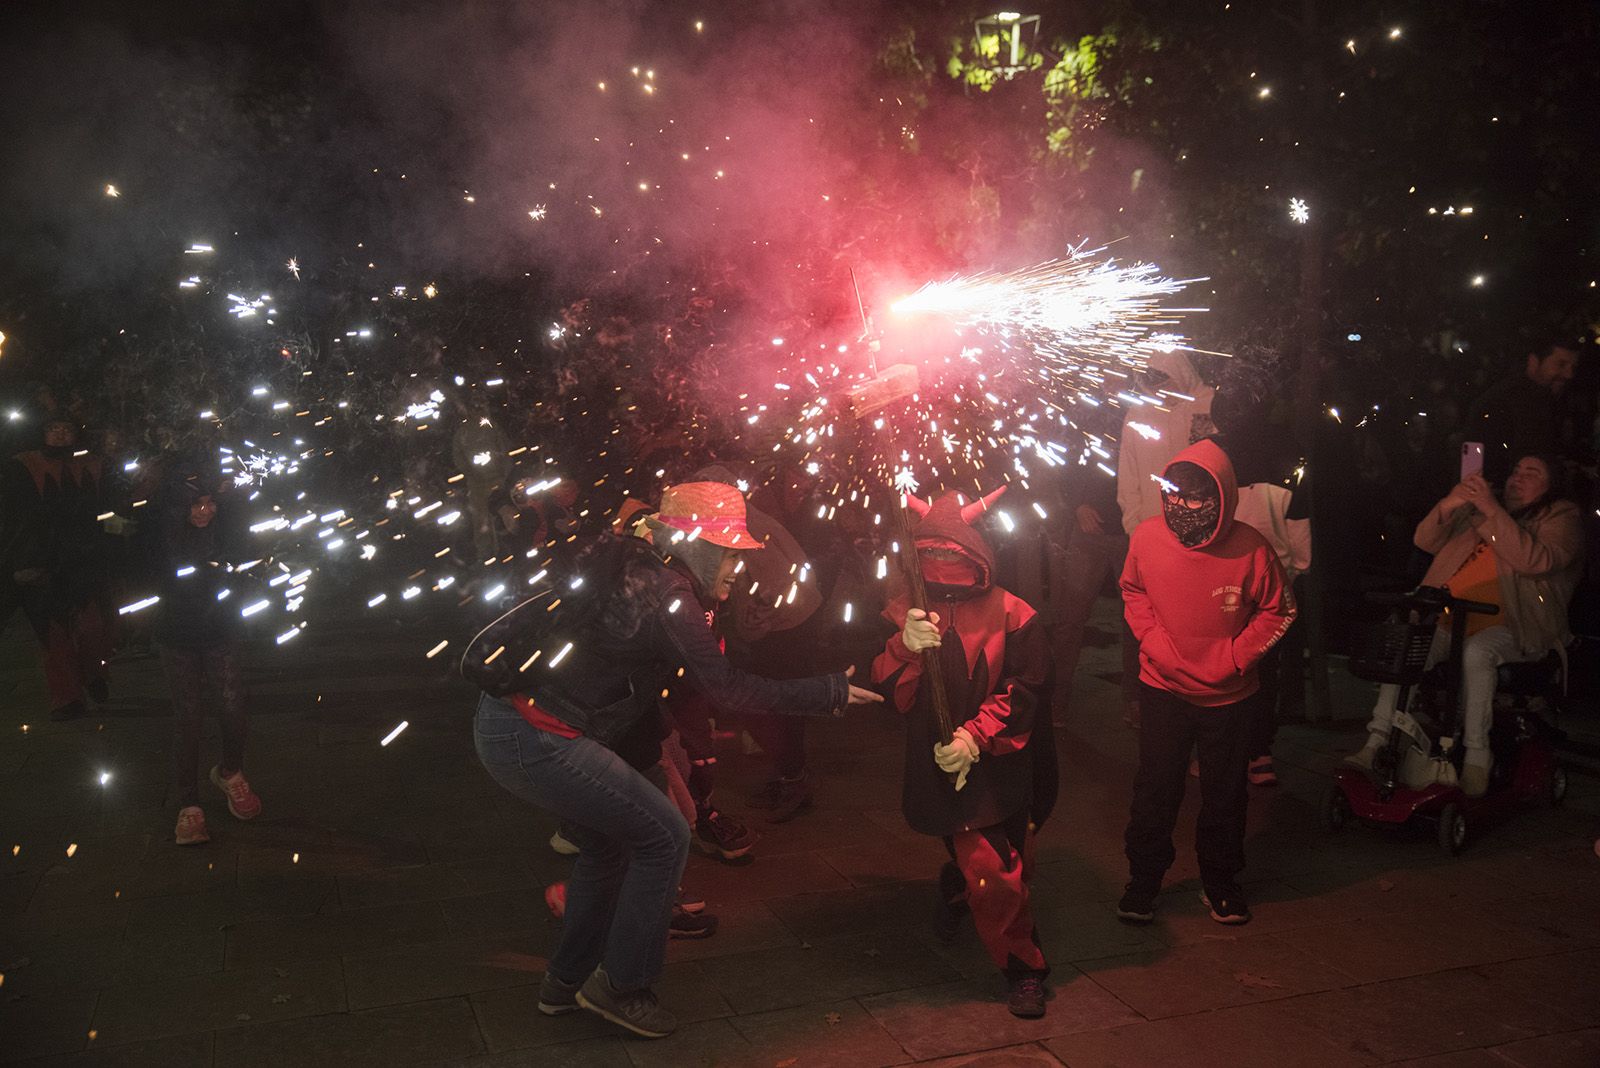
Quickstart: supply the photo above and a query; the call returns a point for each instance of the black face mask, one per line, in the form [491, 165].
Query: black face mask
[1192, 526]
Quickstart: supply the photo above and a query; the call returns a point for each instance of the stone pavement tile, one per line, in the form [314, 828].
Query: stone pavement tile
[1463, 1058]
[429, 882]
[838, 1033]
[1574, 1049]
[827, 971]
[1567, 982]
[1572, 867]
[824, 827]
[888, 862]
[608, 1052]
[35, 963]
[1389, 946]
[1088, 932]
[333, 933]
[324, 852]
[1427, 1014]
[47, 1023]
[857, 910]
[765, 877]
[1189, 979]
[448, 838]
[180, 1051]
[97, 869]
[711, 1042]
[255, 899]
[1081, 877]
[420, 1033]
[966, 1016]
[510, 1018]
[104, 920]
[1026, 1056]
[221, 999]
[740, 929]
[499, 912]
[445, 969]
[16, 890]
[1255, 1036]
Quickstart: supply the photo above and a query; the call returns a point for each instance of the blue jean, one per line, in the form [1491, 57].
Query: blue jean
[633, 841]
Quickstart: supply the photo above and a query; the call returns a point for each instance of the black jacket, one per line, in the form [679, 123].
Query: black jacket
[652, 624]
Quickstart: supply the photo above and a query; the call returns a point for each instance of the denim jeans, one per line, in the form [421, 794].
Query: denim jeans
[633, 843]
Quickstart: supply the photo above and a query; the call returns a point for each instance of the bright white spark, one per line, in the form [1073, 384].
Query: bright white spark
[1299, 211]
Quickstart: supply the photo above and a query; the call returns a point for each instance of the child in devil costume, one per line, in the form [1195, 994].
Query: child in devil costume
[986, 792]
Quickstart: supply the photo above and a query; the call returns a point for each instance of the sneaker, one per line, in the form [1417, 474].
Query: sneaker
[560, 844]
[70, 710]
[637, 1010]
[242, 801]
[951, 907]
[557, 998]
[723, 836]
[555, 899]
[1363, 757]
[784, 798]
[1138, 905]
[1474, 779]
[1025, 998]
[1262, 773]
[1230, 909]
[684, 924]
[689, 902]
[191, 826]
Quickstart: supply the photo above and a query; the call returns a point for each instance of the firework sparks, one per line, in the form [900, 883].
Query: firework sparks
[1299, 211]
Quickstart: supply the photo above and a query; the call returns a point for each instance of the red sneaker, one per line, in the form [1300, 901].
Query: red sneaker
[191, 828]
[555, 899]
[242, 801]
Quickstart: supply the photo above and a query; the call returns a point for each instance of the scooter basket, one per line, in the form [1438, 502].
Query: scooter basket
[1394, 652]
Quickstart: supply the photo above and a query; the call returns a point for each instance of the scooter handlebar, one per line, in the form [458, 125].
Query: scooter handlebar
[1434, 597]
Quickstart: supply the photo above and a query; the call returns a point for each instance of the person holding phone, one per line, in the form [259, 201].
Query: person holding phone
[1522, 551]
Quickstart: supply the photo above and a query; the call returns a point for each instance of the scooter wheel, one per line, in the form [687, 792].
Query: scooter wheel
[1335, 809]
[1452, 829]
[1558, 785]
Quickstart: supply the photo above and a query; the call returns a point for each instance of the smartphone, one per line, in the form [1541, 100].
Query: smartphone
[1471, 459]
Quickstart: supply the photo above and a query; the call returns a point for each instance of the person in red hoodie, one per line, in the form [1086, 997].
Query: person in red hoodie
[988, 790]
[1206, 597]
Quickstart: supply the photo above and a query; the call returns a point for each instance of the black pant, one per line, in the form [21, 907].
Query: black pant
[784, 740]
[1171, 729]
[191, 671]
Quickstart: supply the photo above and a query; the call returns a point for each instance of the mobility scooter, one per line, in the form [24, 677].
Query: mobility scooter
[1428, 727]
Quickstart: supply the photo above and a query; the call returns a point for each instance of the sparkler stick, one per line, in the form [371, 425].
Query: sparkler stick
[866, 326]
[932, 666]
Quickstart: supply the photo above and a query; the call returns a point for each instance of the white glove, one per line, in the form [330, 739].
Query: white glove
[958, 757]
[921, 630]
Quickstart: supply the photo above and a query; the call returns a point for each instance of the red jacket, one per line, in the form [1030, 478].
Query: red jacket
[1205, 616]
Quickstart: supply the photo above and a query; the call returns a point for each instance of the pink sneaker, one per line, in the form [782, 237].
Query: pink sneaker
[191, 826]
[555, 899]
[242, 801]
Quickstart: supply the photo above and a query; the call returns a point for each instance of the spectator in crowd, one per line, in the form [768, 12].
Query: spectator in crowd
[1151, 437]
[52, 549]
[1207, 599]
[644, 615]
[479, 450]
[1274, 498]
[1521, 415]
[1095, 547]
[1522, 552]
[198, 537]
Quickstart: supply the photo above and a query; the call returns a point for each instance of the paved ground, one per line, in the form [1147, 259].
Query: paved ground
[385, 910]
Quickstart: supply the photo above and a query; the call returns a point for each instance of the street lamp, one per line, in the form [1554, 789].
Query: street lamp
[1002, 39]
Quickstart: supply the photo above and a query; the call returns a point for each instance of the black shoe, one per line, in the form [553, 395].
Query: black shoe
[99, 690]
[1138, 904]
[784, 798]
[951, 907]
[556, 997]
[1227, 908]
[637, 1010]
[723, 836]
[691, 924]
[1026, 997]
[689, 902]
[70, 710]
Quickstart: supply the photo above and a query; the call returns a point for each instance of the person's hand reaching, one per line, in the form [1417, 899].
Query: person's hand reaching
[860, 695]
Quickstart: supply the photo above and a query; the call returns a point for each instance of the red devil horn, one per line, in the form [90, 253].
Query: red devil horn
[917, 505]
[981, 505]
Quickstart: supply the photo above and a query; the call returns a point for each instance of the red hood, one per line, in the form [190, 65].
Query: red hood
[1207, 454]
[943, 528]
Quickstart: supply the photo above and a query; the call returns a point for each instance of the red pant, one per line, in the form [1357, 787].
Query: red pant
[997, 867]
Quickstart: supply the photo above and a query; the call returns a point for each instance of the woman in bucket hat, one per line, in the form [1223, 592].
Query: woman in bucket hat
[561, 752]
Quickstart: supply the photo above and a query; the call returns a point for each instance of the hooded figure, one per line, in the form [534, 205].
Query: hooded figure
[1206, 598]
[996, 664]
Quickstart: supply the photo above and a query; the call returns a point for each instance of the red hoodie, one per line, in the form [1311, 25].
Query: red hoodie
[1205, 616]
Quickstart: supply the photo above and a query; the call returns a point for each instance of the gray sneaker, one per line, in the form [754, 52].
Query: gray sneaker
[637, 1010]
[556, 997]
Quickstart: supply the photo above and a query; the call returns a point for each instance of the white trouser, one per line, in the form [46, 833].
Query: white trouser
[1482, 656]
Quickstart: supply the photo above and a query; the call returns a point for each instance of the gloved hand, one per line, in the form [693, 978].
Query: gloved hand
[958, 757]
[921, 630]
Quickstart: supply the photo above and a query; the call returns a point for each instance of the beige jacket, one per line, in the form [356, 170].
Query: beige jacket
[1539, 560]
